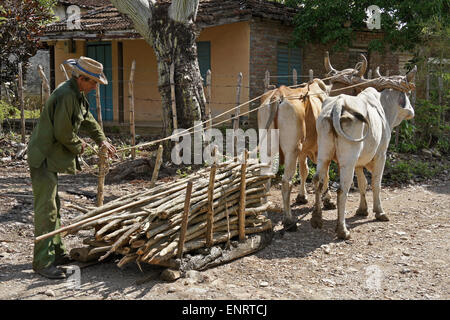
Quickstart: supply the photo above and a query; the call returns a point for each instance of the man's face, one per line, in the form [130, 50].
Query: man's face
[86, 85]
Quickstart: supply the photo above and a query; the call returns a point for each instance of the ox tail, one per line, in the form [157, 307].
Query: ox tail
[336, 115]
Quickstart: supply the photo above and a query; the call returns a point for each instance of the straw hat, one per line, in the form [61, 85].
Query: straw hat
[88, 67]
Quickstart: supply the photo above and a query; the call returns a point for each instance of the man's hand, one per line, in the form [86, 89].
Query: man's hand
[83, 146]
[111, 149]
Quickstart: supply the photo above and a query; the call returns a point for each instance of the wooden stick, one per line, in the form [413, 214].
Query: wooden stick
[174, 108]
[311, 75]
[267, 81]
[208, 101]
[236, 117]
[158, 162]
[63, 69]
[131, 96]
[45, 83]
[102, 162]
[184, 222]
[294, 77]
[22, 104]
[242, 200]
[210, 215]
[99, 105]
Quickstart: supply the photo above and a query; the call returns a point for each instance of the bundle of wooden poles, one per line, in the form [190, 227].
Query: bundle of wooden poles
[160, 225]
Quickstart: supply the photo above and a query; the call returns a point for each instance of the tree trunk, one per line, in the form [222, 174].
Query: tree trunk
[174, 42]
[170, 29]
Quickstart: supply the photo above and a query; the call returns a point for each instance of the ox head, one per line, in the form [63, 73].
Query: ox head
[357, 71]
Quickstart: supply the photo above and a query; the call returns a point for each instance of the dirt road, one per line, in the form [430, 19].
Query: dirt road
[405, 258]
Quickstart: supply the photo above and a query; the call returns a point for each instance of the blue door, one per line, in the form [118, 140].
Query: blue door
[101, 51]
[288, 59]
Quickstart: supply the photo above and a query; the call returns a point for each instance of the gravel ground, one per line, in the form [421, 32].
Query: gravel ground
[405, 258]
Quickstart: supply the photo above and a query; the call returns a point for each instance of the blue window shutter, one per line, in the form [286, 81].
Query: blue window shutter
[287, 60]
[204, 57]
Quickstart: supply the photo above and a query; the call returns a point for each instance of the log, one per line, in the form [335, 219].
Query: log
[242, 200]
[131, 96]
[157, 166]
[184, 221]
[102, 171]
[210, 215]
[83, 254]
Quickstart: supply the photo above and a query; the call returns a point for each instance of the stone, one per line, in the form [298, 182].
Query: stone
[50, 293]
[194, 275]
[170, 275]
[263, 284]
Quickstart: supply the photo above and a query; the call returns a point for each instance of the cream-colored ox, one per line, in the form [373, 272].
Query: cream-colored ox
[294, 112]
[355, 132]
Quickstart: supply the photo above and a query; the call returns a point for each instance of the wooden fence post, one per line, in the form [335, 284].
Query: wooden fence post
[294, 77]
[208, 101]
[174, 107]
[45, 85]
[99, 105]
[267, 81]
[241, 218]
[22, 104]
[237, 112]
[131, 96]
[311, 75]
[369, 74]
[184, 221]
[158, 162]
[63, 69]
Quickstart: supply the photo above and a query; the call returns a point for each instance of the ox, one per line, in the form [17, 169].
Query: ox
[294, 113]
[355, 131]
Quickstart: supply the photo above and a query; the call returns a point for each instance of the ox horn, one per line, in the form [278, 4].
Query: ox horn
[377, 72]
[327, 63]
[363, 67]
[411, 75]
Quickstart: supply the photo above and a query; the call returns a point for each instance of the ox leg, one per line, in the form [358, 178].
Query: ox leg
[320, 182]
[290, 224]
[304, 170]
[362, 186]
[346, 173]
[377, 174]
[326, 196]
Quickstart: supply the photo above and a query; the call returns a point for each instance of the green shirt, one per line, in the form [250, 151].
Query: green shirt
[55, 137]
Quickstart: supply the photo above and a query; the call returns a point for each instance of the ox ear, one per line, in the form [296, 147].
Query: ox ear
[402, 100]
[410, 76]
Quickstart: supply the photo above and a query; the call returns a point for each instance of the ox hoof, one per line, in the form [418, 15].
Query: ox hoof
[301, 199]
[328, 205]
[362, 212]
[316, 223]
[381, 216]
[290, 225]
[343, 233]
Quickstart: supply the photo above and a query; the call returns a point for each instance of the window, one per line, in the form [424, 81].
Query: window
[287, 60]
[204, 58]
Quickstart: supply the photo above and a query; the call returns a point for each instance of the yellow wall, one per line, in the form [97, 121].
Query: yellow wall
[230, 54]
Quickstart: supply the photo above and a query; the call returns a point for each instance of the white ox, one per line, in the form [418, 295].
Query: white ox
[355, 132]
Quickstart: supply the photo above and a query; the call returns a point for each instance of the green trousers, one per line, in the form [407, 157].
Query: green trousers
[46, 216]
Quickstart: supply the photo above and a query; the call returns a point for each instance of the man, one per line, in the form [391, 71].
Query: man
[53, 148]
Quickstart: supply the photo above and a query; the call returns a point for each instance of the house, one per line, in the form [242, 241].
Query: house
[247, 36]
